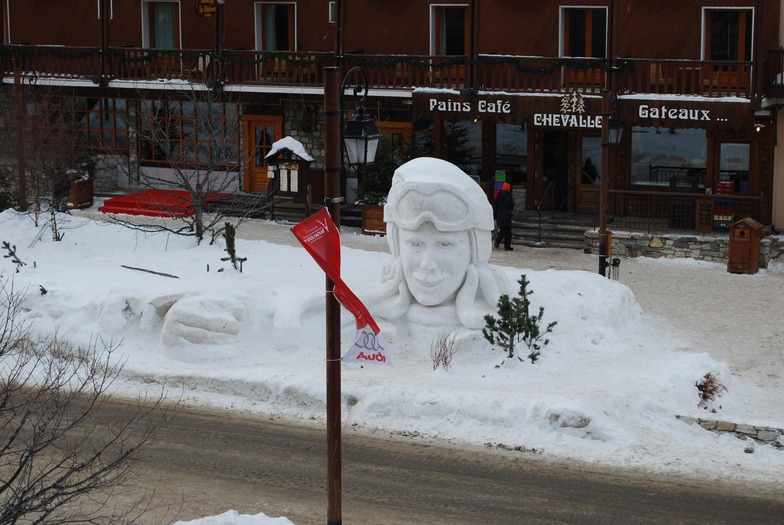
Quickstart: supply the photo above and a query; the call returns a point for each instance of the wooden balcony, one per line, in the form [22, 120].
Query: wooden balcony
[687, 77]
[401, 72]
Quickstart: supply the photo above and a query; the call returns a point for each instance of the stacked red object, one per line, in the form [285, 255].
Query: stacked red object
[723, 207]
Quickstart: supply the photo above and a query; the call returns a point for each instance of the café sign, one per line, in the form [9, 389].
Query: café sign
[464, 106]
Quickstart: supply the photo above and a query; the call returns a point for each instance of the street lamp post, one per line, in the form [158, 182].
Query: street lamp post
[360, 139]
[612, 130]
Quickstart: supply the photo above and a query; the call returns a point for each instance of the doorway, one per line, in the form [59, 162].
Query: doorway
[259, 133]
[551, 190]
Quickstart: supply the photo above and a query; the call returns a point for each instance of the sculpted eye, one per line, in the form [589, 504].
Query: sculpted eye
[447, 244]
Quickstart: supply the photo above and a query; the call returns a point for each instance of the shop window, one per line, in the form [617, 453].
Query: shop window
[398, 134]
[461, 144]
[424, 143]
[161, 25]
[449, 30]
[106, 124]
[591, 161]
[188, 133]
[86, 123]
[511, 151]
[734, 165]
[584, 32]
[659, 154]
[728, 34]
[276, 27]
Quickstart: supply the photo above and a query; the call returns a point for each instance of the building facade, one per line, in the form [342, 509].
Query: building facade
[509, 90]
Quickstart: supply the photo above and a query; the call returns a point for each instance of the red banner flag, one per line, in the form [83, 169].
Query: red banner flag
[321, 238]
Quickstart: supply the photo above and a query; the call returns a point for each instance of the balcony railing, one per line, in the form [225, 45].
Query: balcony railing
[688, 77]
[490, 72]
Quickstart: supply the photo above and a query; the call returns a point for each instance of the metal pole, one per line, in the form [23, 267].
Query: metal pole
[332, 169]
[219, 30]
[20, 144]
[104, 40]
[604, 183]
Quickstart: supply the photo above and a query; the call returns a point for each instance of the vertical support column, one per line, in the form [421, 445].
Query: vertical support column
[21, 162]
[105, 16]
[333, 153]
[604, 183]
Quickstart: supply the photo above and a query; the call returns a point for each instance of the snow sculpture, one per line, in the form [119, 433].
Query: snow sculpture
[195, 326]
[439, 228]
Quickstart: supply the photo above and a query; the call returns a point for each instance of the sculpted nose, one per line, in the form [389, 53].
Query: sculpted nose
[428, 261]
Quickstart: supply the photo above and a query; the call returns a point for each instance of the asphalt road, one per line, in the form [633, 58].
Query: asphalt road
[205, 463]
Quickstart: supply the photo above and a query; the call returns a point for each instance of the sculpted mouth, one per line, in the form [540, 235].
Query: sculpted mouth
[429, 283]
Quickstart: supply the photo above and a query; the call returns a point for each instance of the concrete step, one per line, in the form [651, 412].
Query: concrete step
[551, 229]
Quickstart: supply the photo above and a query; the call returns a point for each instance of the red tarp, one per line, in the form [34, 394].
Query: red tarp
[154, 203]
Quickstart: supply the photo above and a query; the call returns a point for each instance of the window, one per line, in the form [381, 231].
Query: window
[461, 144]
[188, 133]
[591, 161]
[161, 25]
[511, 151]
[424, 142]
[398, 134]
[734, 165]
[659, 154]
[276, 27]
[106, 124]
[584, 32]
[448, 30]
[728, 34]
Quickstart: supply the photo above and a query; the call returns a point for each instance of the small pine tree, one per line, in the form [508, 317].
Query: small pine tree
[12, 255]
[229, 234]
[516, 324]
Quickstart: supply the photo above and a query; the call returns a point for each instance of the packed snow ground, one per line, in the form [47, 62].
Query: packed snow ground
[605, 390]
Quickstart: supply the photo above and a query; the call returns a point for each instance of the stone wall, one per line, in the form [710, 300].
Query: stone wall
[714, 248]
[763, 435]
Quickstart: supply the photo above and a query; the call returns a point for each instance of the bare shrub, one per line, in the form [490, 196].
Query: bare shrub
[443, 349]
[64, 448]
[709, 389]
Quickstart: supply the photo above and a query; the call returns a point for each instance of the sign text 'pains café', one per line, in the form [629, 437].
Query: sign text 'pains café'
[482, 106]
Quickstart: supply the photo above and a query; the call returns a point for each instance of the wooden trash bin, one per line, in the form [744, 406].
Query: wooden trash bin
[80, 194]
[744, 246]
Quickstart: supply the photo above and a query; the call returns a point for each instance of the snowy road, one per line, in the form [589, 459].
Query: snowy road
[213, 462]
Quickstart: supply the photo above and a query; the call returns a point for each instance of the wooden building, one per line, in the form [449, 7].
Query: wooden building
[507, 89]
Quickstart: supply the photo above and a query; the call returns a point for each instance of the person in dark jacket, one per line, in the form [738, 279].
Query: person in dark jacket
[503, 216]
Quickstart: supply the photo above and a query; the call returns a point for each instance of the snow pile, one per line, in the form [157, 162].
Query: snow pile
[606, 389]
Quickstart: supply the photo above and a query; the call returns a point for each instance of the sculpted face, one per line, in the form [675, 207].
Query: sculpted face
[434, 262]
